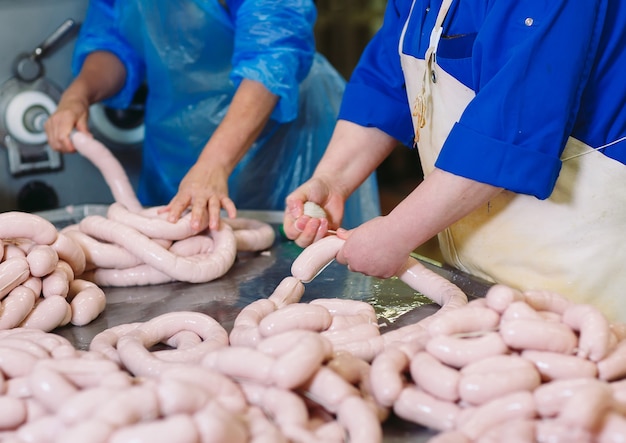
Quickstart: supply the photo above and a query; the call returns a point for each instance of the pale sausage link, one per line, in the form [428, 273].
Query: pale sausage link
[198, 269]
[110, 168]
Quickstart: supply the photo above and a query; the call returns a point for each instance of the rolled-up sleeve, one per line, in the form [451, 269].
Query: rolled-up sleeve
[530, 64]
[99, 32]
[274, 45]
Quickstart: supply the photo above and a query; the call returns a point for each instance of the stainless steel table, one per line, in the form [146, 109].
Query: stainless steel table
[254, 276]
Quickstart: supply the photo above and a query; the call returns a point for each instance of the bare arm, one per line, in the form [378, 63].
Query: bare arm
[381, 246]
[353, 153]
[101, 76]
[205, 186]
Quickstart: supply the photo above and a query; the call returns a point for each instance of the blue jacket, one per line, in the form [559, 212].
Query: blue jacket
[542, 72]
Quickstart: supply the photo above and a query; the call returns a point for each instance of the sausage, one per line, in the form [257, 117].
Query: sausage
[288, 291]
[43, 430]
[56, 283]
[81, 372]
[221, 388]
[520, 310]
[514, 406]
[183, 340]
[251, 235]
[93, 431]
[180, 397]
[48, 314]
[194, 245]
[554, 430]
[15, 362]
[285, 406]
[315, 258]
[613, 429]
[434, 377]
[360, 420]
[550, 397]
[13, 412]
[32, 347]
[241, 363]
[214, 423]
[13, 272]
[432, 413]
[140, 275]
[494, 377]
[16, 307]
[82, 406]
[512, 431]
[543, 300]
[70, 252]
[343, 338]
[152, 224]
[86, 300]
[594, 332]
[34, 284]
[42, 260]
[554, 366]
[613, 366]
[133, 346]
[159, 431]
[295, 316]
[102, 255]
[531, 334]
[432, 285]
[105, 342]
[499, 297]
[110, 168]
[301, 354]
[22, 225]
[129, 406]
[587, 407]
[458, 352]
[344, 307]
[50, 388]
[198, 269]
[468, 319]
[387, 375]
[245, 330]
[328, 389]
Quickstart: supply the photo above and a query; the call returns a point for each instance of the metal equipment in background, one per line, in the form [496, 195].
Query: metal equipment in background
[34, 177]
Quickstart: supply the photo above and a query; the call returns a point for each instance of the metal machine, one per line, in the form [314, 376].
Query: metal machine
[36, 43]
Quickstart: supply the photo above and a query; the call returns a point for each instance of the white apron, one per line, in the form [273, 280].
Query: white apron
[572, 243]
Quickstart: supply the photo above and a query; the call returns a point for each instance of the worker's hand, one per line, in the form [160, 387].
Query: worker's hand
[374, 249]
[304, 229]
[71, 113]
[206, 192]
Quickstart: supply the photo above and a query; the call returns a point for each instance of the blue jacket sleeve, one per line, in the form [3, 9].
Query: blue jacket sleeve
[99, 33]
[375, 96]
[274, 45]
[530, 63]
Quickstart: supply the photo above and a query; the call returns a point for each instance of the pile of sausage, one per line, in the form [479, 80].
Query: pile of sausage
[38, 270]
[514, 367]
[282, 374]
[133, 246]
[142, 248]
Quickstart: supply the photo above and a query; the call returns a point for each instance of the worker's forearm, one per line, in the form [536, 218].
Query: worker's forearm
[102, 76]
[248, 113]
[439, 201]
[354, 152]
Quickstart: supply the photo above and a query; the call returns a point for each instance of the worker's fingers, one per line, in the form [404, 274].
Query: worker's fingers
[176, 207]
[214, 208]
[310, 233]
[229, 207]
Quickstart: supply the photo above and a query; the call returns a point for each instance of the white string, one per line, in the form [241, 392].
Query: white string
[595, 149]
